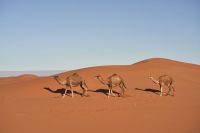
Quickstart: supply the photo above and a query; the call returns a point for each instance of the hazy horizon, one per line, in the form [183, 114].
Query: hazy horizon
[6, 73]
[66, 35]
[38, 73]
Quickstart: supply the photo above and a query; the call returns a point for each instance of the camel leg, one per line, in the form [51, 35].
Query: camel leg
[161, 91]
[84, 87]
[109, 91]
[65, 92]
[83, 90]
[72, 91]
[122, 91]
[122, 87]
[169, 87]
[112, 93]
[173, 90]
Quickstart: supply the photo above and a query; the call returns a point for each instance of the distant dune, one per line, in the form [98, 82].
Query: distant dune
[30, 103]
[39, 73]
[27, 76]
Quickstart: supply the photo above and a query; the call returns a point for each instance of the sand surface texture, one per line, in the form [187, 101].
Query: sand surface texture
[31, 104]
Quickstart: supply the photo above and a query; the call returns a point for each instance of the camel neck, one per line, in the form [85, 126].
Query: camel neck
[102, 80]
[60, 82]
[155, 81]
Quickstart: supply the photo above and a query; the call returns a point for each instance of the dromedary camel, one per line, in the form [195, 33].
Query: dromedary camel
[73, 80]
[164, 80]
[113, 81]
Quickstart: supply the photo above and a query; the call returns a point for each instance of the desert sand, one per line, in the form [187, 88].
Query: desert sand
[32, 104]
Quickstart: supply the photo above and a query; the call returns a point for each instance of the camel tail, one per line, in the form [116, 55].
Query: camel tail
[85, 83]
[173, 87]
[124, 84]
[172, 84]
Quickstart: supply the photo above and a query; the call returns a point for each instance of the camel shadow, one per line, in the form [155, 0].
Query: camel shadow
[61, 91]
[104, 91]
[155, 91]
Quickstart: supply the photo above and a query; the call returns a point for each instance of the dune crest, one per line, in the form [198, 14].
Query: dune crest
[27, 76]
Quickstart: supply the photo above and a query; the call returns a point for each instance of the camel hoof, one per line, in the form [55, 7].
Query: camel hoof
[85, 95]
[120, 95]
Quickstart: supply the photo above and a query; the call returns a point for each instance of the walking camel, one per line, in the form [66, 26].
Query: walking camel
[164, 80]
[71, 81]
[113, 81]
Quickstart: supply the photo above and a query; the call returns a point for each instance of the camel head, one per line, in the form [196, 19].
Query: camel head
[55, 76]
[150, 77]
[97, 76]
[154, 80]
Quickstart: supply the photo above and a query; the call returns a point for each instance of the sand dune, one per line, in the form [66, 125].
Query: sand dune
[17, 79]
[33, 104]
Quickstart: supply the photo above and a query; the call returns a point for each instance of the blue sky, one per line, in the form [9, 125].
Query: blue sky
[71, 34]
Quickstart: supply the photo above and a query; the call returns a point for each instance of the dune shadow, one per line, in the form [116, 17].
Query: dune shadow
[61, 91]
[104, 91]
[155, 91]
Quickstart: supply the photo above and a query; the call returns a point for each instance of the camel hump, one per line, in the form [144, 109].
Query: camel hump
[75, 74]
[75, 77]
[166, 78]
[164, 75]
[115, 74]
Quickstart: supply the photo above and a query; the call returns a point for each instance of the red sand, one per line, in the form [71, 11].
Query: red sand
[27, 107]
